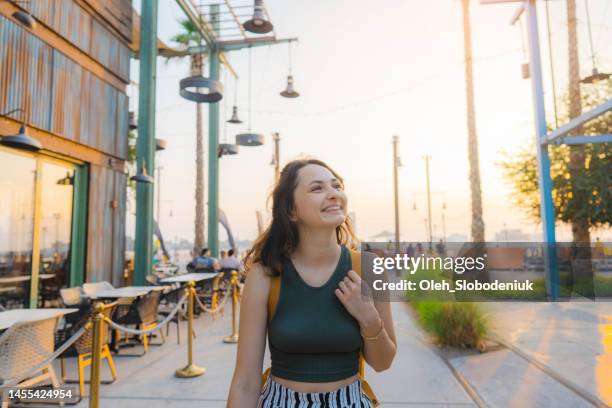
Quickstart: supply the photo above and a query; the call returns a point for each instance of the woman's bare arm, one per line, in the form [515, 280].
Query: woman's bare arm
[246, 382]
[379, 353]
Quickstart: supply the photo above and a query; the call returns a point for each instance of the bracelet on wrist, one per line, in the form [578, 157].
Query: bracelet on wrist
[375, 337]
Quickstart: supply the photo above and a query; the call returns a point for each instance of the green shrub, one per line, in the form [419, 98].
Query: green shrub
[453, 324]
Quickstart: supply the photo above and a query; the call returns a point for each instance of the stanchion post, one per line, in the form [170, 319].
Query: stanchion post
[233, 338]
[94, 380]
[190, 370]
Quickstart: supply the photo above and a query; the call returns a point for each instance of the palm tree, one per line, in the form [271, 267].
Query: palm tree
[477, 220]
[580, 225]
[190, 37]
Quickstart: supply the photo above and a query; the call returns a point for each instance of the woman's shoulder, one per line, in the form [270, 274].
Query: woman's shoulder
[259, 276]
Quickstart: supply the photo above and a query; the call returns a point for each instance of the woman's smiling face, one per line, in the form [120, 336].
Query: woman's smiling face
[319, 198]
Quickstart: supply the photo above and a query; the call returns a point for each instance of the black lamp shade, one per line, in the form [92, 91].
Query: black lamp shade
[206, 90]
[249, 139]
[21, 141]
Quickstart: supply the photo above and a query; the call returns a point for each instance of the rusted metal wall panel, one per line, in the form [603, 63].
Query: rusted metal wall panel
[67, 103]
[25, 62]
[101, 241]
[60, 95]
[73, 23]
[118, 13]
[121, 140]
[110, 51]
[120, 181]
[92, 36]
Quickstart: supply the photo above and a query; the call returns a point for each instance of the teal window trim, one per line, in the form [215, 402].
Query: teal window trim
[78, 249]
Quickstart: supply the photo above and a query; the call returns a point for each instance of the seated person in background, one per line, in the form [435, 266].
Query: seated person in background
[230, 261]
[203, 261]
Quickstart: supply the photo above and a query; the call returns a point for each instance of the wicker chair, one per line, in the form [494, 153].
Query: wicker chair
[143, 314]
[23, 346]
[91, 289]
[83, 346]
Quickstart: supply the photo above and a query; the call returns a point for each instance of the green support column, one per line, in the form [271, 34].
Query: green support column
[145, 147]
[213, 142]
[79, 225]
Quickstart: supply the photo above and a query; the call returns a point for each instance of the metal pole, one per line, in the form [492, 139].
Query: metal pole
[276, 139]
[396, 191]
[145, 149]
[233, 338]
[94, 379]
[547, 208]
[427, 157]
[213, 141]
[190, 370]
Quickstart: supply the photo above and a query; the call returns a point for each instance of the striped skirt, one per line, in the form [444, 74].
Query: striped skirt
[275, 395]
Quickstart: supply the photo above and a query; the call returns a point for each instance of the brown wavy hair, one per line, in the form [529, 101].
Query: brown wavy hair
[274, 246]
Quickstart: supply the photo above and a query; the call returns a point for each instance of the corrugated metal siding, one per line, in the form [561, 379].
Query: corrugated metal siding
[73, 23]
[80, 28]
[99, 242]
[121, 142]
[60, 95]
[119, 228]
[26, 75]
[118, 13]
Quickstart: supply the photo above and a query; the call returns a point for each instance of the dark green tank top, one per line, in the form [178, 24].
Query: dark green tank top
[312, 337]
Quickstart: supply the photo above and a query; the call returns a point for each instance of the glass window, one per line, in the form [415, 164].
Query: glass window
[17, 182]
[55, 231]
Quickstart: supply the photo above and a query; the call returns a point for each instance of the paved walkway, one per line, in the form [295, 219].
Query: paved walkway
[418, 377]
[558, 355]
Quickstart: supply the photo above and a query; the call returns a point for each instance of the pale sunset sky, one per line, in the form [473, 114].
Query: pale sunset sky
[366, 71]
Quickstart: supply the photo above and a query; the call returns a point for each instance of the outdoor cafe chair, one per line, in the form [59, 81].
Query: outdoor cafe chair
[90, 289]
[23, 346]
[142, 313]
[83, 346]
[168, 302]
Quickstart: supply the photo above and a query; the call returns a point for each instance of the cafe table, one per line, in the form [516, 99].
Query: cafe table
[10, 317]
[124, 292]
[189, 277]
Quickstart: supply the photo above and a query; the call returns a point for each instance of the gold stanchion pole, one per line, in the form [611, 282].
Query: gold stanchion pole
[190, 370]
[233, 338]
[94, 380]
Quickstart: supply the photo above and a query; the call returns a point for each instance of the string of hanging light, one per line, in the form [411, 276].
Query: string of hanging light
[250, 138]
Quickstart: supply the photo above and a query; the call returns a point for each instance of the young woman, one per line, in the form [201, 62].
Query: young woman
[321, 322]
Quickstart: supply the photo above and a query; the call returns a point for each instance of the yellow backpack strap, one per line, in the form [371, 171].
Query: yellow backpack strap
[273, 296]
[356, 266]
[272, 302]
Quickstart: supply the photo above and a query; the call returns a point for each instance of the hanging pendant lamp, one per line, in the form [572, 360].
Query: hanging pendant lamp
[143, 177]
[199, 89]
[595, 76]
[249, 138]
[21, 140]
[227, 149]
[290, 92]
[65, 181]
[258, 23]
[25, 18]
[160, 144]
[234, 118]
